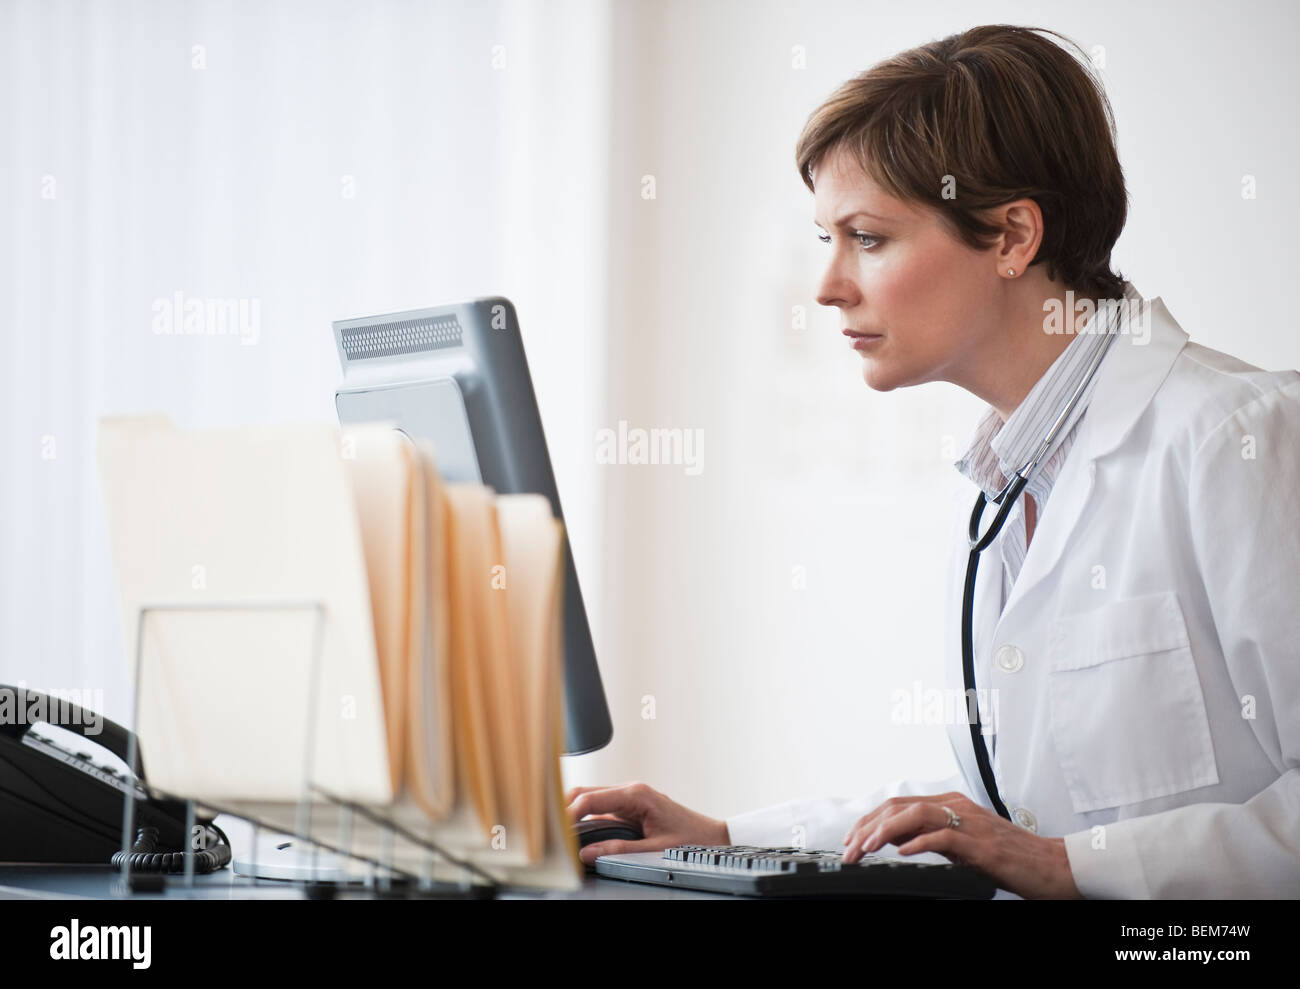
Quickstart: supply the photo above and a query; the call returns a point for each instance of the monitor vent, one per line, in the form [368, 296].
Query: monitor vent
[407, 336]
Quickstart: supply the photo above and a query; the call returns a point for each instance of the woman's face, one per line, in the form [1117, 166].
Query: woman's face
[929, 303]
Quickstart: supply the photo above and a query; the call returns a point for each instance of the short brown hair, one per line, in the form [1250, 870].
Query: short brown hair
[1008, 114]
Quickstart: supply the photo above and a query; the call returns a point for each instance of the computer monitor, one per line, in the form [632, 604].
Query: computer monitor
[457, 376]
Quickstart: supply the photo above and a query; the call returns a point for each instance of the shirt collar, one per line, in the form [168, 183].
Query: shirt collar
[998, 450]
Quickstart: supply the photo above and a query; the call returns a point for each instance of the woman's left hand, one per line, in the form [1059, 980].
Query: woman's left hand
[1020, 861]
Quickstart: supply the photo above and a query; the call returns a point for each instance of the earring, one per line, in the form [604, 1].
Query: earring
[1011, 272]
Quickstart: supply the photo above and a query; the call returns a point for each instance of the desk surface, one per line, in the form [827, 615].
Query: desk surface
[100, 882]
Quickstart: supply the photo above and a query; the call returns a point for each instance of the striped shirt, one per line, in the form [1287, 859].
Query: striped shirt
[999, 450]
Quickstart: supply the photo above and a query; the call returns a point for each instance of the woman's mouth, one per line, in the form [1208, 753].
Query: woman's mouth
[863, 341]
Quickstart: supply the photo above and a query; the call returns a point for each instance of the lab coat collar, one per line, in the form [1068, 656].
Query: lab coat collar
[1131, 373]
[1127, 379]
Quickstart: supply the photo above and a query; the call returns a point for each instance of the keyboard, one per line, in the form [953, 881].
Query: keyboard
[746, 870]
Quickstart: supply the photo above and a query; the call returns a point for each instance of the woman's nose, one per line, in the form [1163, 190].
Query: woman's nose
[836, 288]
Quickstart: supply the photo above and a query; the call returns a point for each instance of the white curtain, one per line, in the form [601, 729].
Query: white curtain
[313, 161]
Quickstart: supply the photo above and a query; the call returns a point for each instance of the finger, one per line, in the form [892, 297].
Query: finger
[864, 839]
[617, 847]
[959, 848]
[574, 792]
[615, 801]
[900, 826]
[578, 792]
[916, 820]
[894, 804]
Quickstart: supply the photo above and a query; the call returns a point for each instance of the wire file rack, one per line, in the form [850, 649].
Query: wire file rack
[315, 811]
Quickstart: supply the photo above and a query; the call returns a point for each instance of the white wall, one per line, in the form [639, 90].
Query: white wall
[526, 180]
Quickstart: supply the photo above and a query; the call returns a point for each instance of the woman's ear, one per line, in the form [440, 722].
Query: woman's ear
[1022, 231]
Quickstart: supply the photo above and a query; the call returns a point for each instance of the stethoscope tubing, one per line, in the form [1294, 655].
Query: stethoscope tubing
[967, 634]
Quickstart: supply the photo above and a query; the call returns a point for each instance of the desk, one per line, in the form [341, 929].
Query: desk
[45, 882]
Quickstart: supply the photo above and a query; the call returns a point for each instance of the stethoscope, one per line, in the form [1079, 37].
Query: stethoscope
[1006, 499]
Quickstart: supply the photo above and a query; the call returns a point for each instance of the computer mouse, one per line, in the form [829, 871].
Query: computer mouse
[605, 829]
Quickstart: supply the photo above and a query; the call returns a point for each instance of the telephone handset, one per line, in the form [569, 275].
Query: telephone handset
[60, 806]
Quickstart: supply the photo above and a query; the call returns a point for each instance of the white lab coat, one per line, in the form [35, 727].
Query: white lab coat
[1147, 663]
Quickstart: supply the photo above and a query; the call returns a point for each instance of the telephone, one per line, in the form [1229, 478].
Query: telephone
[59, 806]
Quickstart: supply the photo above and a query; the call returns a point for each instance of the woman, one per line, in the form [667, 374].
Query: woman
[1138, 730]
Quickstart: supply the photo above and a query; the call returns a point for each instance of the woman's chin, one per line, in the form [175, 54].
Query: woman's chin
[878, 375]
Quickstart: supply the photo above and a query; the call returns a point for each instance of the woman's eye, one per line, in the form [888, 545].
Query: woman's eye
[826, 239]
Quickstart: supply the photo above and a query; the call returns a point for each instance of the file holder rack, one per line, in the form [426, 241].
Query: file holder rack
[377, 873]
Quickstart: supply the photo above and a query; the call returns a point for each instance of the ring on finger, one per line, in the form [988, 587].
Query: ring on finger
[954, 821]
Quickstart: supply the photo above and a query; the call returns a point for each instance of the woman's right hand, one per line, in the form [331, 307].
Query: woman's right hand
[662, 822]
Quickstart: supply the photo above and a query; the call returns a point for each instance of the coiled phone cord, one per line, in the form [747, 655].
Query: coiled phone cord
[145, 856]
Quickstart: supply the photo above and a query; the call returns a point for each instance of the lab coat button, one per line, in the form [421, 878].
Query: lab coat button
[1010, 659]
[1025, 819]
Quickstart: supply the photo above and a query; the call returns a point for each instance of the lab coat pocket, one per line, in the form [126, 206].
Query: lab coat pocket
[1128, 715]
